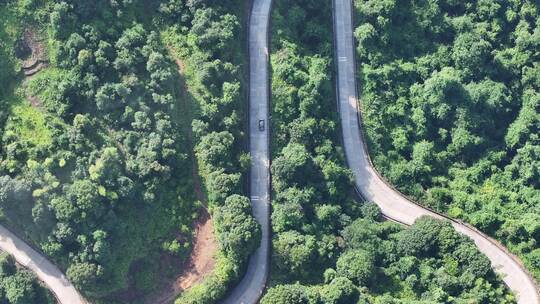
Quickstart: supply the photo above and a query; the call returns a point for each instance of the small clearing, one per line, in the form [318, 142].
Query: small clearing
[200, 263]
[30, 124]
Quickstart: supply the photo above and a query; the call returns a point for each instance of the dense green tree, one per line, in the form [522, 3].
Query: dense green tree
[362, 234]
[340, 291]
[213, 35]
[84, 275]
[467, 255]
[292, 165]
[20, 286]
[371, 211]
[237, 231]
[285, 294]
[356, 265]
[326, 216]
[422, 238]
[7, 264]
[14, 193]
[220, 185]
[295, 253]
[214, 150]
[288, 216]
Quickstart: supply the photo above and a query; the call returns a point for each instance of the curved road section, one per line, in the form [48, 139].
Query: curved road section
[252, 285]
[55, 280]
[373, 188]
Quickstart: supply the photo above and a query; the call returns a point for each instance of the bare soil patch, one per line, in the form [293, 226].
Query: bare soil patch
[202, 259]
[32, 50]
[200, 263]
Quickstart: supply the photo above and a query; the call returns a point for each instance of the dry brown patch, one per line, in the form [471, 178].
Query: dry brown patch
[199, 265]
[37, 58]
[202, 259]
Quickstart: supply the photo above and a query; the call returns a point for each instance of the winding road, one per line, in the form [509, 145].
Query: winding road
[47, 272]
[252, 285]
[368, 182]
[373, 188]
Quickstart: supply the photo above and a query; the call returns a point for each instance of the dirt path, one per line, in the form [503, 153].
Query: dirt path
[202, 259]
[199, 193]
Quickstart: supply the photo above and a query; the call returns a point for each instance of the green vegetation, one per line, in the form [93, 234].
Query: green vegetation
[97, 171]
[30, 124]
[382, 263]
[328, 248]
[9, 32]
[312, 187]
[213, 54]
[95, 176]
[215, 286]
[44, 85]
[20, 286]
[451, 109]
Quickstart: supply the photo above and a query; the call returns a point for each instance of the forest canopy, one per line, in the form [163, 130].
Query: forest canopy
[111, 110]
[451, 107]
[329, 247]
[96, 146]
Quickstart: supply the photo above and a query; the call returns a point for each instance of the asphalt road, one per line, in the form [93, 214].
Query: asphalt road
[53, 278]
[250, 289]
[373, 188]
